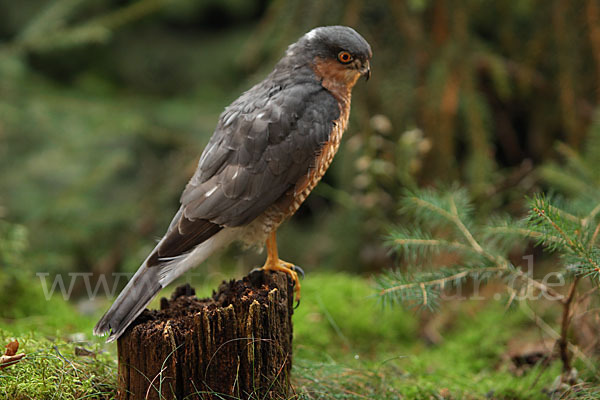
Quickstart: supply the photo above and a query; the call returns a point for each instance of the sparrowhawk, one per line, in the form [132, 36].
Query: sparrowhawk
[270, 148]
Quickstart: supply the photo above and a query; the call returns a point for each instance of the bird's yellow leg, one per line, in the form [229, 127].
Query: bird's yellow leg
[273, 263]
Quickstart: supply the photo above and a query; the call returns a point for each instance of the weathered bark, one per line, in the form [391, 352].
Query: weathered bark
[238, 344]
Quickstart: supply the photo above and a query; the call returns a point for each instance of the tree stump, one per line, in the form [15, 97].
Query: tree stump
[237, 344]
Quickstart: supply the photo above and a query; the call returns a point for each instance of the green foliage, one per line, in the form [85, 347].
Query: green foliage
[425, 288]
[443, 225]
[445, 233]
[569, 223]
[573, 237]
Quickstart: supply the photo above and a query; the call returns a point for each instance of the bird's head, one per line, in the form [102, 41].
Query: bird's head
[337, 54]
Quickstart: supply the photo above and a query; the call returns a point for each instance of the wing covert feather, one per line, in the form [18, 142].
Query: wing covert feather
[258, 152]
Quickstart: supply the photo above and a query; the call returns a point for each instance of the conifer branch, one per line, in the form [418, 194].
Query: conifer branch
[595, 235]
[440, 282]
[528, 233]
[539, 285]
[457, 221]
[446, 207]
[422, 285]
[564, 328]
[574, 245]
[592, 214]
[454, 218]
[567, 215]
[431, 243]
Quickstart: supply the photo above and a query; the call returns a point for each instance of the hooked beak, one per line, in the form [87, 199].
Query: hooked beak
[366, 70]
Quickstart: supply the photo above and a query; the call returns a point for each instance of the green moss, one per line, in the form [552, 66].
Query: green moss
[339, 315]
[52, 370]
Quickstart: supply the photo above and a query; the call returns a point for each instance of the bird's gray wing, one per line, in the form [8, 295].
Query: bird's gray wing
[261, 153]
[259, 150]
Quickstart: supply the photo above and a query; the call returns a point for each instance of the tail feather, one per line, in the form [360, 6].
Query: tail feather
[148, 281]
[130, 303]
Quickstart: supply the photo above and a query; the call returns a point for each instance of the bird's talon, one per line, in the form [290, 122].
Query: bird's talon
[298, 270]
[253, 270]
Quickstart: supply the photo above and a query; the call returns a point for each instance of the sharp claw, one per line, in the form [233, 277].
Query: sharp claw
[298, 270]
[293, 271]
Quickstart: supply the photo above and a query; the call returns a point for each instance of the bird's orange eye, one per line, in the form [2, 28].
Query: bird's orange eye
[344, 57]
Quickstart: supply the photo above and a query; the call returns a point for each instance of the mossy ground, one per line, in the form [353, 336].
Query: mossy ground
[346, 347]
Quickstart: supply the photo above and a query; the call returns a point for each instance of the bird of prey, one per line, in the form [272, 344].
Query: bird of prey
[270, 148]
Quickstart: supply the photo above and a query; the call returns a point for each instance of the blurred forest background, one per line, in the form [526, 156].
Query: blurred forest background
[106, 105]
